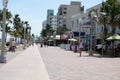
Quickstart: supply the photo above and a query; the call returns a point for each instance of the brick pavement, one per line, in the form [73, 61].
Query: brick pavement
[66, 65]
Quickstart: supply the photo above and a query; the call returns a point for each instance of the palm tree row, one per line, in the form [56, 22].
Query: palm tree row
[18, 26]
[109, 17]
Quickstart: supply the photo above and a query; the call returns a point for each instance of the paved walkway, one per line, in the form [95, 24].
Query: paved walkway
[28, 65]
[67, 65]
[11, 55]
[60, 65]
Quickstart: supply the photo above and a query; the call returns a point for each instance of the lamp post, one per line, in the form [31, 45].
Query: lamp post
[24, 37]
[103, 14]
[2, 56]
[80, 23]
[54, 36]
[93, 16]
[29, 34]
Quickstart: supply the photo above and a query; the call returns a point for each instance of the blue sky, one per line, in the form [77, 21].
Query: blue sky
[35, 11]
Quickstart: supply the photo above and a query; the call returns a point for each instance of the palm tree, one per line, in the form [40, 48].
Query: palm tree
[8, 15]
[8, 20]
[28, 28]
[18, 26]
[112, 10]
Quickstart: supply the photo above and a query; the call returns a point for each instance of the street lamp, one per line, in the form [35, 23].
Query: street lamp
[103, 14]
[93, 16]
[24, 37]
[2, 56]
[29, 34]
[54, 36]
[80, 23]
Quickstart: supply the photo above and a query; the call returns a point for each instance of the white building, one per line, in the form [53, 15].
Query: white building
[78, 22]
[54, 22]
[97, 28]
[80, 25]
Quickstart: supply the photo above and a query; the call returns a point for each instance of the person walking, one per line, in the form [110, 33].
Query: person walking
[80, 47]
[13, 46]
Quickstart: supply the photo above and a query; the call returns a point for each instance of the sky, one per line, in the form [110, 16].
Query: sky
[35, 11]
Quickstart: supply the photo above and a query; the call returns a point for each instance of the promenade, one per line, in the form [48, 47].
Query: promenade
[28, 65]
[54, 63]
[67, 65]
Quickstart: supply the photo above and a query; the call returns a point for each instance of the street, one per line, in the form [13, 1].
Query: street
[67, 65]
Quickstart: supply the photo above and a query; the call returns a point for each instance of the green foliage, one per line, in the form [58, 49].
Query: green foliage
[61, 30]
[47, 32]
[43, 33]
[112, 10]
[8, 15]
[18, 26]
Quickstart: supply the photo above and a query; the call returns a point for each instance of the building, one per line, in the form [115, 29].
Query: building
[44, 24]
[96, 28]
[53, 22]
[65, 13]
[50, 13]
[80, 27]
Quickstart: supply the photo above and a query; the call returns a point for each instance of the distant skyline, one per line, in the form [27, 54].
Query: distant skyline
[35, 11]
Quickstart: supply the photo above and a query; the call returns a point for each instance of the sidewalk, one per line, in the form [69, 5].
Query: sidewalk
[11, 55]
[26, 66]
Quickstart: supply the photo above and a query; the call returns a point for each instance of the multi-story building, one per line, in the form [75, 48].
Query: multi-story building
[53, 22]
[44, 24]
[50, 13]
[96, 28]
[80, 27]
[66, 11]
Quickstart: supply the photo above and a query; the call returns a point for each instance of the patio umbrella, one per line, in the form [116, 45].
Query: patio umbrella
[114, 37]
[50, 40]
[72, 39]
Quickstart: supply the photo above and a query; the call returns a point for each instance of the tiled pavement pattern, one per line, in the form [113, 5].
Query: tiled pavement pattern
[66, 65]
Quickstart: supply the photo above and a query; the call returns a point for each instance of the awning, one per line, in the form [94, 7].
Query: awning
[64, 36]
[72, 39]
[50, 40]
[57, 37]
[114, 37]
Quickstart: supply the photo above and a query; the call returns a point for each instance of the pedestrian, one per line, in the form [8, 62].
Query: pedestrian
[80, 47]
[41, 45]
[45, 44]
[13, 46]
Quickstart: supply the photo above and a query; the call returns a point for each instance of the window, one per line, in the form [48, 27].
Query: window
[64, 25]
[65, 8]
[65, 12]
